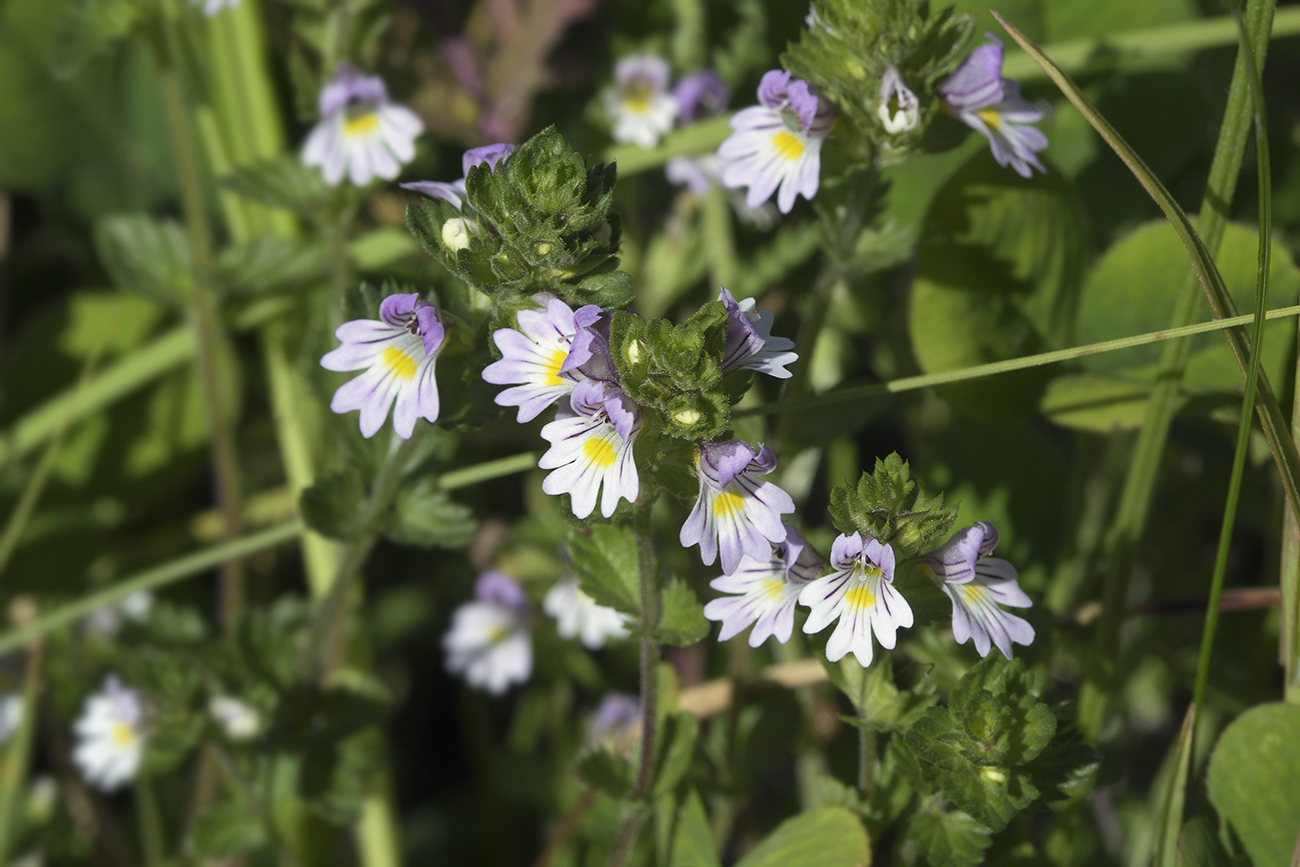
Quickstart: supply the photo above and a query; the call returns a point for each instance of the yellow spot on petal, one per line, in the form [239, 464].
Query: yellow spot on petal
[600, 452]
[636, 100]
[496, 634]
[399, 362]
[991, 117]
[772, 588]
[362, 124]
[788, 146]
[727, 503]
[973, 592]
[553, 366]
[123, 735]
[860, 597]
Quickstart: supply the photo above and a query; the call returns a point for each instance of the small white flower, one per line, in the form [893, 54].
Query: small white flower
[737, 513]
[578, 616]
[238, 719]
[360, 134]
[11, 695]
[111, 736]
[979, 585]
[860, 594]
[490, 643]
[768, 591]
[105, 622]
[899, 109]
[533, 356]
[591, 448]
[639, 103]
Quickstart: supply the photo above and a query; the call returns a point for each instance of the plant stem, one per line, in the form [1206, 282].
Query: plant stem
[15, 757]
[151, 830]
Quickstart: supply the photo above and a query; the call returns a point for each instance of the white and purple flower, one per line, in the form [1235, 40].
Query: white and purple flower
[992, 105]
[639, 103]
[591, 447]
[533, 357]
[737, 513]
[578, 616]
[616, 722]
[768, 590]
[11, 695]
[212, 7]
[360, 134]
[454, 191]
[979, 585]
[778, 143]
[700, 95]
[111, 736]
[750, 344]
[898, 109]
[490, 642]
[397, 352]
[860, 594]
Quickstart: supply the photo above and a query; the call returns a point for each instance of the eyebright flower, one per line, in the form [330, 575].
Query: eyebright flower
[768, 591]
[237, 719]
[639, 103]
[750, 344]
[899, 109]
[860, 594]
[578, 616]
[700, 95]
[11, 695]
[736, 513]
[111, 736]
[992, 105]
[591, 445]
[360, 133]
[778, 143]
[490, 643]
[533, 356]
[978, 586]
[454, 191]
[615, 723]
[398, 352]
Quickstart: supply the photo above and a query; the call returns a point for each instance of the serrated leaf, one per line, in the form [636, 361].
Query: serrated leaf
[606, 772]
[948, 839]
[677, 747]
[681, 617]
[271, 262]
[90, 28]
[146, 256]
[225, 830]
[692, 836]
[335, 506]
[426, 516]
[282, 182]
[604, 559]
[888, 505]
[821, 837]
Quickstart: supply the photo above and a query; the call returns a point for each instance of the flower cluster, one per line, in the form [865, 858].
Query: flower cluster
[361, 135]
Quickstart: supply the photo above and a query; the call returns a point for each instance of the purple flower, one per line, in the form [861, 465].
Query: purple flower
[617, 722]
[590, 357]
[860, 594]
[591, 446]
[639, 102]
[533, 356]
[750, 344]
[736, 513]
[978, 586]
[778, 143]
[768, 591]
[360, 133]
[454, 191]
[992, 105]
[398, 352]
[700, 95]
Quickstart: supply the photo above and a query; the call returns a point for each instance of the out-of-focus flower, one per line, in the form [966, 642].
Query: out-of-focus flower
[105, 622]
[750, 344]
[578, 616]
[639, 103]
[768, 590]
[490, 642]
[360, 134]
[11, 695]
[979, 585]
[238, 719]
[615, 722]
[778, 143]
[860, 594]
[591, 446]
[992, 105]
[397, 352]
[533, 356]
[111, 736]
[454, 191]
[737, 513]
[700, 95]
[899, 109]
[212, 7]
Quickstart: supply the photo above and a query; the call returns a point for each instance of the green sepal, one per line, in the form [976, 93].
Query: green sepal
[889, 506]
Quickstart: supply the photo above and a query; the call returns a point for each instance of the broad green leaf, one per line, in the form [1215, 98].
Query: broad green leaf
[146, 256]
[335, 505]
[999, 265]
[1199, 846]
[1095, 402]
[821, 837]
[947, 839]
[1254, 781]
[692, 836]
[1077, 19]
[681, 616]
[426, 516]
[604, 559]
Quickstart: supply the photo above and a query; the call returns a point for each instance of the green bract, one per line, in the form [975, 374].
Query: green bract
[887, 505]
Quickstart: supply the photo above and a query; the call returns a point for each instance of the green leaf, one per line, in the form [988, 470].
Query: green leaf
[90, 28]
[146, 256]
[335, 506]
[282, 182]
[1254, 781]
[270, 262]
[426, 516]
[607, 772]
[692, 836]
[1199, 846]
[821, 837]
[947, 839]
[890, 507]
[681, 616]
[677, 746]
[1170, 822]
[604, 559]
[225, 830]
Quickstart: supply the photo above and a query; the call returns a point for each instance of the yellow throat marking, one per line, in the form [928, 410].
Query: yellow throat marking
[362, 124]
[990, 116]
[399, 362]
[600, 452]
[860, 597]
[727, 503]
[787, 146]
[122, 734]
[772, 588]
[973, 593]
[552, 367]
